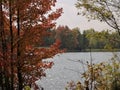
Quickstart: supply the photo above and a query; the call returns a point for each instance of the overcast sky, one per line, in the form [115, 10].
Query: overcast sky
[72, 20]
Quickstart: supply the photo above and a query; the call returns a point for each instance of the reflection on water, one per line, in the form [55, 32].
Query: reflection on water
[68, 67]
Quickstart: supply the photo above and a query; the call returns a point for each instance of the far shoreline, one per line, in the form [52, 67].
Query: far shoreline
[94, 50]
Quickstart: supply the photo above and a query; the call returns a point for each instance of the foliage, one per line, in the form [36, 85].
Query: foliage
[74, 40]
[23, 23]
[74, 86]
[103, 40]
[103, 10]
[67, 37]
[102, 76]
[70, 39]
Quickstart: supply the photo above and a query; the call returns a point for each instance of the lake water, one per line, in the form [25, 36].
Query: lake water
[67, 67]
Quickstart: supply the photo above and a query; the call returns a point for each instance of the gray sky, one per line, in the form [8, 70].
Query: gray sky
[72, 20]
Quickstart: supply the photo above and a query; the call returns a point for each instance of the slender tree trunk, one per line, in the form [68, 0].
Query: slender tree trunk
[11, 40]
[1, 37]
[20, 83]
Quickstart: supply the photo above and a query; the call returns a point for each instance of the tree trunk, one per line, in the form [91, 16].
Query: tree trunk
[20, 83]
[11, 40]
[5, 78]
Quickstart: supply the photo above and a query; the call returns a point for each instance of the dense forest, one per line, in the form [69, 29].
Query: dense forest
[74, 40]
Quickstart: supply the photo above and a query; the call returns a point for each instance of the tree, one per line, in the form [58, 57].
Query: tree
[77, 38]
[85, 41]
[100, 76]
[49, 39]
[63, 34]
[102, 40]
[23, 24]
[4, 80]
[68, 37]
[103, 10]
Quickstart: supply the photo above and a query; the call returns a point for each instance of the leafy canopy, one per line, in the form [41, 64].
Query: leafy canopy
[103, 10]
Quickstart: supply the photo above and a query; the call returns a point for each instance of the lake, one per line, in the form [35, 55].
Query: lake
[68, 66]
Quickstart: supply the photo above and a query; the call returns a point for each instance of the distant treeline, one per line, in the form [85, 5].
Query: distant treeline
[74, 40]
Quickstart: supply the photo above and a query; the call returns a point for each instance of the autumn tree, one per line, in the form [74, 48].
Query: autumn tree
[23, 25]
[49, 39]
[78, 38]
[103, 10]
[70, 38]
[63, 34]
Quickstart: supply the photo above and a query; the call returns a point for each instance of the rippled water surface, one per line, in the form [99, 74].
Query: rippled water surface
[68, 66]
